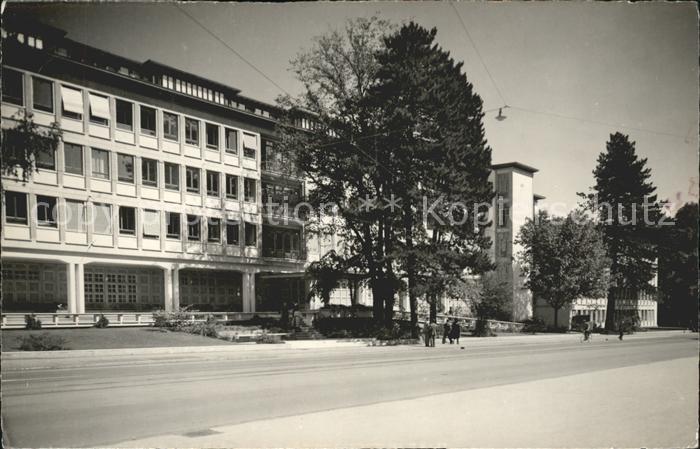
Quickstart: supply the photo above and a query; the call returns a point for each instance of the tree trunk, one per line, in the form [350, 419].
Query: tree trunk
[433, 308]
[389, 306]
[610, 313]
[377, 300]
[556, 318]
[413, 304]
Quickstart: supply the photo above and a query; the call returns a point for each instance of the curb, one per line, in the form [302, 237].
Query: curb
[308, 344]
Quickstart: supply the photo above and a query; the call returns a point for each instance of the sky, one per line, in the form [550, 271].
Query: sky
[572, 72]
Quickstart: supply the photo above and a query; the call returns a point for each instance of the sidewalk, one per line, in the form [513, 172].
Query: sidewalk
[502, 339]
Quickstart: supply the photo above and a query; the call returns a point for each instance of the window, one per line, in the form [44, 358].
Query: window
[15, 207]
[251, 234]
[249, 194]
[125, 115]
[192, 179]
[212, 183]
[102, 220]
[72, 103]
[170, 126]
[148, 121]
[125, 165]
[99, 109]
[502, 184]
[193, 228]
[12, 87]
[73, 158]
[46, 159]
[46, 212]
[214, 230]
[212, 136]
[127, 220]
[250, 145]
[232, 230]
[172, 176]
[172, 221]
[43, 94]
[100, 164]
[231, 140]
[503, 212]
[151, 224]
[191, 131]
[75, 216]
[149, 172]
[232, 187]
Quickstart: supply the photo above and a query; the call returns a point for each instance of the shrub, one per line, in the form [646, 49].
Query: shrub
[102, 322]
[209, 328]
[175, 320]
[268, 339]
[31, 322]
[42, 342]
[534, 325]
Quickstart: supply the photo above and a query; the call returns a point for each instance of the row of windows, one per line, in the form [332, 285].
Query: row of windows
[99, 113]
[126, 166]
[47, 215]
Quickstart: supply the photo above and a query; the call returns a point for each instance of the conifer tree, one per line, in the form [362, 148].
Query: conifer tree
[624, 200]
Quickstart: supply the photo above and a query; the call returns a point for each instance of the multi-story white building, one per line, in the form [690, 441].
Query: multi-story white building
[154, 197]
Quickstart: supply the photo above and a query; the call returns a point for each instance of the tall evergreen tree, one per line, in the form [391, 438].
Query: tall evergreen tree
[624, 200]
[430, 126]
[678, 269]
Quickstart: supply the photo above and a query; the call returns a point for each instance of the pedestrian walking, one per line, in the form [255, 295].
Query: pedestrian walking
[445, 330]
[433, 333]
[455, 332]
[426, 334]
[621, 328]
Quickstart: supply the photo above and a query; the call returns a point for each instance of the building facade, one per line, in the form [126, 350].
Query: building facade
[154, 197]
[157, 195]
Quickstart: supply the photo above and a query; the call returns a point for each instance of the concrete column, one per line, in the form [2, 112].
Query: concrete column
[168, 289]
[176, 288]
[71, 288]
[80, 288]
[248, 292]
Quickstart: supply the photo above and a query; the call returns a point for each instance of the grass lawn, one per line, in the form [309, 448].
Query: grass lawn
[112, 338]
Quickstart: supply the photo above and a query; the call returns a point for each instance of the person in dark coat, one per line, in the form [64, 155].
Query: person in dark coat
[455, 332]
[446, 331]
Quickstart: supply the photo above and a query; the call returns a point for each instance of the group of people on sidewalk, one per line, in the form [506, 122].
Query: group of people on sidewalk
[451, 332]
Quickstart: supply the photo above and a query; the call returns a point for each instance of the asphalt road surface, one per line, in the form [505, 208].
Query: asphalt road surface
[640, 392]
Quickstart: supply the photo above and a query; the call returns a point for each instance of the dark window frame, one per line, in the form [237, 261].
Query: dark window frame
[46, 211]
[127, 220]
[213, 223]
[191, 179]
[146, 130]
[8, 96]
[172, 132]
[173, 220]
[120, 119]
[229, 194]
[149, 172]
[127, 180]
[194, 223]
[230, 233]
[210, 191]
[15, 217]
[191, 131]
[167, 169]
[231, 149]
[38, 106]
[68, 168]
[254, 240]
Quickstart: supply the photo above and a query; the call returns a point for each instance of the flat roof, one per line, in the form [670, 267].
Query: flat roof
[523, 167]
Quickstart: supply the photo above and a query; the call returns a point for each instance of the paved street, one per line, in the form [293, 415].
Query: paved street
[550, 392]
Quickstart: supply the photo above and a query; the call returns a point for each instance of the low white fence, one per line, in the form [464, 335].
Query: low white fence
[117, 319]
